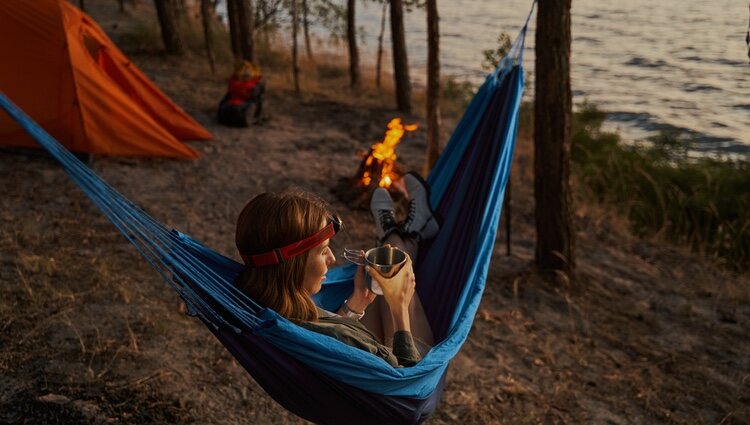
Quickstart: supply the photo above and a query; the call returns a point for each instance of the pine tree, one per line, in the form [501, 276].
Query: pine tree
[552, 138]
[400, 60]
[165, 10]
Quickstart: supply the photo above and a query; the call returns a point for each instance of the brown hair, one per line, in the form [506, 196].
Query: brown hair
[273, 220]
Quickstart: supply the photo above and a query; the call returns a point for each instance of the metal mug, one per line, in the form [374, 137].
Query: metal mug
[386, 260]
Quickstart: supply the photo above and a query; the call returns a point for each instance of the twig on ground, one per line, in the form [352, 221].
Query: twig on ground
[112, 360]
[25, 282]
[41, 324]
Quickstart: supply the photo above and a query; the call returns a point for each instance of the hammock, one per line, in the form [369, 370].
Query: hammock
[313, 375]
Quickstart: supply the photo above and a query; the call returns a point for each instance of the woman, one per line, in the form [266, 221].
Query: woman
[284, 238]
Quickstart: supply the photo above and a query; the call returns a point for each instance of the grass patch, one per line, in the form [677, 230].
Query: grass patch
[271, 54]
[332, 71]
[701, 203]
[143, 35]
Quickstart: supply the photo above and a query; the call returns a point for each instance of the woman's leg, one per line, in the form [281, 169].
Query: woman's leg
[379, 321]
[373, 319]
[378, 315]
[421, 224]
[420, 327]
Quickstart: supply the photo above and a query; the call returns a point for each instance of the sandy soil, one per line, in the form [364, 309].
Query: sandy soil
[646, 333]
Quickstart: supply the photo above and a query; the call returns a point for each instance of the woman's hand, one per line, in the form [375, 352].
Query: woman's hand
[362, 296]
[398, 292]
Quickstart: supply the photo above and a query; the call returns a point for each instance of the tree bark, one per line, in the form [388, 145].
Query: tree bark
[206, 14]
[306, 26]
[400, 61]
[261, 22]
[351, 36]
[82, 5]
[234, 28]
[379, 62]
[552, 138]
[433, 85]
[246, 20]
[295, 59]
[165, 10]
[259, 5]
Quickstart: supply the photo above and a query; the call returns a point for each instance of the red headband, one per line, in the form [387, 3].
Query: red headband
[280, 255]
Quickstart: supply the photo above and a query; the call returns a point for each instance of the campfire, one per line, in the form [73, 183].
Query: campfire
[378, 167]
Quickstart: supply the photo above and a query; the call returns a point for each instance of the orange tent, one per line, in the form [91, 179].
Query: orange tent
[61, 68]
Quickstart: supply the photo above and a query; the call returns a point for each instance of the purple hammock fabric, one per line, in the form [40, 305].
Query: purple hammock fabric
[316, 396]
[320, 398]
[462, 208]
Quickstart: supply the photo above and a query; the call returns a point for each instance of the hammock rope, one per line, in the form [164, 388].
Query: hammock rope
[468, 184]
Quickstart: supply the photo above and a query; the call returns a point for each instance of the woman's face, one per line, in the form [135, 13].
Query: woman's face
[316, 267]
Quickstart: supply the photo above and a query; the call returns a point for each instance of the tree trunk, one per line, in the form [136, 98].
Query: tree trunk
[260, 22]
[122, 5]
[433, 85]
[206, 14]
[165, 9]
[306, 26]
[379, 65]
[267, 16]
[82, 5]
[234, 28]
[400, 61]
[295, 59]
[552, 138]
[246, 20]
[351, 36]
[259, 5]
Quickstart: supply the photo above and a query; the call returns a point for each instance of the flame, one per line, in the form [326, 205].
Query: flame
[385, 153]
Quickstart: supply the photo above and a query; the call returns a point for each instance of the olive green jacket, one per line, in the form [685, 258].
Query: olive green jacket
[351, 332]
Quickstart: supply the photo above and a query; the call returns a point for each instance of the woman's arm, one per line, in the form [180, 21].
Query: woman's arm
[360, 298]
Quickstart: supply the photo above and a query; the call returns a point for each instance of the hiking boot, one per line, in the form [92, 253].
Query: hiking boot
[420, 223]
[381, 206]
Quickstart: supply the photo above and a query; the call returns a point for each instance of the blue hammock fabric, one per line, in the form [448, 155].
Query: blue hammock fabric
[313, 375]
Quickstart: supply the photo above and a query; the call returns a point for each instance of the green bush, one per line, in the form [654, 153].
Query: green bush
[702, 203]
[144, 36]
[332, 71]
[456, 95]
[492, 57]
[268, 54]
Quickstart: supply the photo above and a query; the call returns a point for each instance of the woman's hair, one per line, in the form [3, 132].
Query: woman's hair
[273, 220]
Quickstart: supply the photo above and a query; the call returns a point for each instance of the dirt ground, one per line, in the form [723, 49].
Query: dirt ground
[645, 333]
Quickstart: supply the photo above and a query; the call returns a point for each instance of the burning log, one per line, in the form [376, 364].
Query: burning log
[378, 167]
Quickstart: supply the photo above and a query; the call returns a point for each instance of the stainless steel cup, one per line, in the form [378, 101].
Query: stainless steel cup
[386, 260]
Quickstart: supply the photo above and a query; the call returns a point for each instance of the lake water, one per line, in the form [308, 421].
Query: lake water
[672, 64]
[651, 65]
